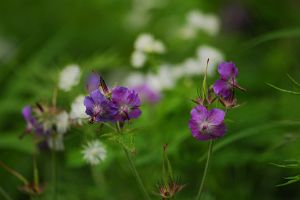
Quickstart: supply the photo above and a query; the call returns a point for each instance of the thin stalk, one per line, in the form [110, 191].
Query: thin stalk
[209, 153]
[136, 174]
[4, 194]
[54, 174]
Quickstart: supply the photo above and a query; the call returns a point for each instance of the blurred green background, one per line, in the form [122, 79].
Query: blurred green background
[38, 38]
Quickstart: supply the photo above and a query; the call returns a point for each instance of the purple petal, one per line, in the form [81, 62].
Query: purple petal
[135, 113]
[97, 96]
[26, 112]
[216, 116]
[147, 94]
[199, 113]
[93, 82]
[227, 70]
[222, 88]
[120, 94]
[218, 131]
[89, 104]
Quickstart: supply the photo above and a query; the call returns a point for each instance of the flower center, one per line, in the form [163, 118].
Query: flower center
[124, 108]
[205, 127]
[97, 109]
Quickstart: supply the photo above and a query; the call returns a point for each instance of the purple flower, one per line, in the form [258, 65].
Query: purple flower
[98, 107]
[93, 82]
[127, 103]
[147, 94]
[32, 123]
[224, 87]
[207, 124]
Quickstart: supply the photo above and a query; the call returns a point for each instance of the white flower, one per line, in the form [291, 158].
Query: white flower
[135, 79]
[188, 32]
[164, 79]
[94, 152]
[62, 122]
[206, 22]
[192, 66]
[146, 43]
[69, 77]
[205, 52]
[138, 59]
[55, 142]
[78, 109]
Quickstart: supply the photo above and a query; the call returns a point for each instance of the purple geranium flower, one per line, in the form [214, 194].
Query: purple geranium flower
[224, 86]
[98, 107]
[207, 124]
[127, 103]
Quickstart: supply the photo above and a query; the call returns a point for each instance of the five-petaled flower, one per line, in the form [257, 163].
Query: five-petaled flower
[207, 124]
[127, 102]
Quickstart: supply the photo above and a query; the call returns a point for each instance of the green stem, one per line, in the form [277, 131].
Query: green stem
[4, 194]
[205, 170]
[54, 174]
[136, 174]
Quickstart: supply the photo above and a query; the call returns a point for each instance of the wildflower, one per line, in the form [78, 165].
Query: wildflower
[98, 107]
[138, 59]
[94, 152]
[207, 22]
[78, 110]
[69, 77]
[224, 86]
[127, 103]
[148, 44]
[207, 124]
[55, 140]
[62, 122]
[205, 52]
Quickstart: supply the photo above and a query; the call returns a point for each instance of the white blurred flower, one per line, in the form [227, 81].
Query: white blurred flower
[215, 56]
[146, 43]
[188, 32]
[56, 142]
[94, 152]
[62, 122]
[78, 109]
[138, 59]
[206, 22]
[69, 77]
[135, 79]
[192, 66]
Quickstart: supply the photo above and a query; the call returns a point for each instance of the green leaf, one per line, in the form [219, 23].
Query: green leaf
[292, 179]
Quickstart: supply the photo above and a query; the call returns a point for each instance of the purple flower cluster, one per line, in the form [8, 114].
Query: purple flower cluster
[208, 124]
[116, 105]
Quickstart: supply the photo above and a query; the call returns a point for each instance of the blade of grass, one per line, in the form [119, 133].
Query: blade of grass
[283, 90]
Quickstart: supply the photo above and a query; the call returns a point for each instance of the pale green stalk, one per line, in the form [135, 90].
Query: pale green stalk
[205, 170]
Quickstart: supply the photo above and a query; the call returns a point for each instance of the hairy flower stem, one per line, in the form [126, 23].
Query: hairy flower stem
[136, 174]
[205, 170]
[54, 174]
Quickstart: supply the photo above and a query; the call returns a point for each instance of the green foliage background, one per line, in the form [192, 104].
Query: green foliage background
[47, 35]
